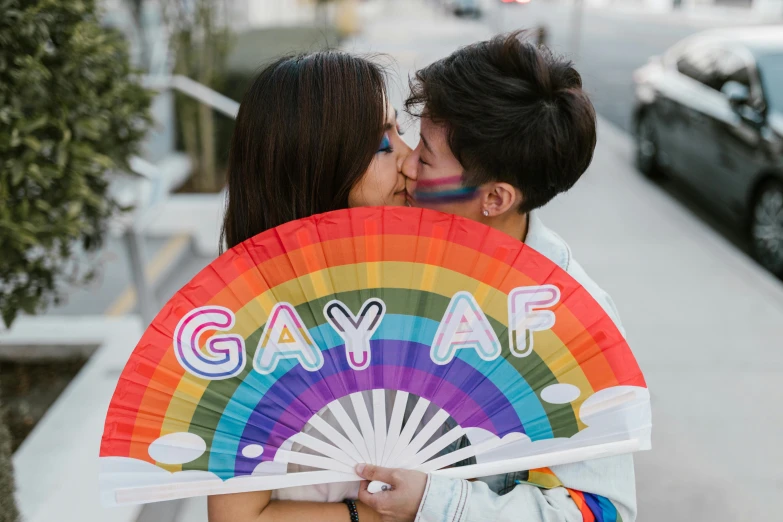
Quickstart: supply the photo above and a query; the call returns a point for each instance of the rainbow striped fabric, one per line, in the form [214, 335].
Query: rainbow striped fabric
[594, 508]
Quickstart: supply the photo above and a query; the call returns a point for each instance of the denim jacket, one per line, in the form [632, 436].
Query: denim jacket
[501, 498]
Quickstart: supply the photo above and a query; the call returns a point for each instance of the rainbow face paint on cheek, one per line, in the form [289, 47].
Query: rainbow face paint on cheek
[436, 191]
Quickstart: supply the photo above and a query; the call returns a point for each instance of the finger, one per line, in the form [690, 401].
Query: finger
[370, 472]
[363, 485]
[367, 498]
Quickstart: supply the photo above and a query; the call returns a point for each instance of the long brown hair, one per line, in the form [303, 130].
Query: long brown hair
[307, 129]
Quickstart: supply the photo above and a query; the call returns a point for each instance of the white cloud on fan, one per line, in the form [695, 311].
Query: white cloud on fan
[252, 451]
[177, 448]
[616, 413]
[560, 393]
[122, 472]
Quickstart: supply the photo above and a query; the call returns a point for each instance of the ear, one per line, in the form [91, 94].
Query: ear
[500, 198]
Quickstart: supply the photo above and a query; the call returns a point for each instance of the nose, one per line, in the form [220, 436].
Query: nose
[410, 165]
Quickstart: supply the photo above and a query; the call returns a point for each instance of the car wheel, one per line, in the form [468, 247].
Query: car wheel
[766, 228]
[647, 148]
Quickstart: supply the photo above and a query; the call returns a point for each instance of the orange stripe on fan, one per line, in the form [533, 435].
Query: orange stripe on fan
[372, 248]
[147, 427]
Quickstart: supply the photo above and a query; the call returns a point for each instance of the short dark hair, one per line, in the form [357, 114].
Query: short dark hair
[307, 129]
[514, 112]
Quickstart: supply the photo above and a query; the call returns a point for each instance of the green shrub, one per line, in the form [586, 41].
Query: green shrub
[71, 111]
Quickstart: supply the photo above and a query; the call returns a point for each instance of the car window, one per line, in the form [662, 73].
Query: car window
[731, 67]
[698, 63]
[771, 71]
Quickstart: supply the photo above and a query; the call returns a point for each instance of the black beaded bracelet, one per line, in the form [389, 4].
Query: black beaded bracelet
[352, 509]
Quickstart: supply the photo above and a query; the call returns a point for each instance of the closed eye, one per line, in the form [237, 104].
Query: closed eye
[385, 145]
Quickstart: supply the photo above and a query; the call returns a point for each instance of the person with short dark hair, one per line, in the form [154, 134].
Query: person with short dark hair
[505, 127]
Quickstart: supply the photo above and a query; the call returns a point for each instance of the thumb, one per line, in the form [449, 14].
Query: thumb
[370, 472]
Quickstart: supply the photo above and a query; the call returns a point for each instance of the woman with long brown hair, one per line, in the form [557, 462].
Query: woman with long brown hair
[314, 133]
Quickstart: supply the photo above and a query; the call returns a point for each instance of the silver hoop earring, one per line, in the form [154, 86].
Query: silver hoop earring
[486, 213]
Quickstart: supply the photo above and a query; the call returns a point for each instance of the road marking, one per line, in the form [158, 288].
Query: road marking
[154, 270]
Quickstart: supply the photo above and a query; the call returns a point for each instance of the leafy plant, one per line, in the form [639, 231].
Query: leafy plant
[71, 112]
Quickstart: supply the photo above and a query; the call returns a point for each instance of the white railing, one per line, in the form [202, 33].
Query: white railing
[195, 90]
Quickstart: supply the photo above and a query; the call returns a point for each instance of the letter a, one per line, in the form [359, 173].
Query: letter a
[285, 337]
[356, 331]
[464, 326]
[524, 317]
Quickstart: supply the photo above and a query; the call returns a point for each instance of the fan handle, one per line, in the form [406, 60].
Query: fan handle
[376, 486]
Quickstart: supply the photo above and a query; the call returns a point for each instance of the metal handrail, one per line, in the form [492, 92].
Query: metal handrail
[198, 91]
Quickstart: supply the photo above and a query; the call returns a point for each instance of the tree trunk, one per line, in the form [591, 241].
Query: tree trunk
[137, 11]
[8, 509]
[186, 110]
[206, 114]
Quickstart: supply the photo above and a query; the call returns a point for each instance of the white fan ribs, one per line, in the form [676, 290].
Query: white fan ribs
[408, 430]
[461, 454]
[395, 425]
[365, 424]
[379, 423]
[335, 437]
[423, 436]
[430, 451]
[313, 461]
[322, 447]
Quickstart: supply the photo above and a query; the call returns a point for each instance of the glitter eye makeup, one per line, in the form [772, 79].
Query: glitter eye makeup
[385, 144]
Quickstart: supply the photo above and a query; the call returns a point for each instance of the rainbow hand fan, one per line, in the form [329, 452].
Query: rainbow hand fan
[379, 335]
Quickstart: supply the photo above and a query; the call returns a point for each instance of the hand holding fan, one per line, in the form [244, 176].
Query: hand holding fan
[410, 328]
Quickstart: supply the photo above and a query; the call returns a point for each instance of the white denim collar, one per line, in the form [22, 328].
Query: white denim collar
[546, 242]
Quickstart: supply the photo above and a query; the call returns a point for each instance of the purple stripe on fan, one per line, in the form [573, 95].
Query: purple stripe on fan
[458, 388]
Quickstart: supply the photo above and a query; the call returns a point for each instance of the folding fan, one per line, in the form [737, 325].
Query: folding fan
[384, 335]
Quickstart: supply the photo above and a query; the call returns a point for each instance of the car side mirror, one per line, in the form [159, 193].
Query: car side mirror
[736, 93]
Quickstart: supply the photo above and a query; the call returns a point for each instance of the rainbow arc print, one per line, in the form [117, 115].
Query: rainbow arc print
[399, 322]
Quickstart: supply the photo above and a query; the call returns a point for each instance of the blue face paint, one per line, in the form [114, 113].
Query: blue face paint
[385, 144]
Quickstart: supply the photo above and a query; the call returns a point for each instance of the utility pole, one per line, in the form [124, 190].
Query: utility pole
[577, 12]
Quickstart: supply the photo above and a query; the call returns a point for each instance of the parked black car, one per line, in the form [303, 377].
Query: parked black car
[710, 112]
